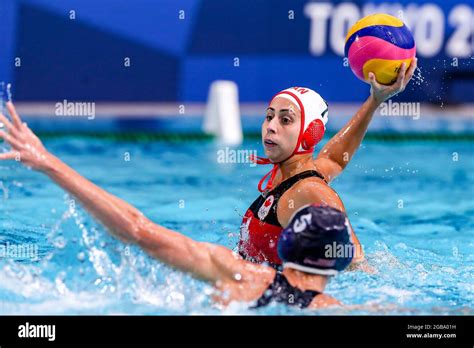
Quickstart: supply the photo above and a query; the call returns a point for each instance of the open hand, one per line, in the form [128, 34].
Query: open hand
[26, 146]
[382, 92]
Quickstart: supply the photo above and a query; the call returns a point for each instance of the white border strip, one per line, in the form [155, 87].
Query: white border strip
[288, 97]
[327, 272]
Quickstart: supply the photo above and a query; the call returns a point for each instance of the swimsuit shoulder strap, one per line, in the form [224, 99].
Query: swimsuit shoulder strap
[286, 184]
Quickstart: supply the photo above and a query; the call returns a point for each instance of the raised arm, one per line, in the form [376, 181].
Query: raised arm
[338, 151]
[203, 260]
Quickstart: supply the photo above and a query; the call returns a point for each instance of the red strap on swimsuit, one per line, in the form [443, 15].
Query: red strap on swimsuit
[272, 173]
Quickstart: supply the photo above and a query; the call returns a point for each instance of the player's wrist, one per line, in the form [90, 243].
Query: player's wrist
[373, 102]
[50, 164]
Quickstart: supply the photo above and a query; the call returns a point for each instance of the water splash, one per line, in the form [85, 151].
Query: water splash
[86, 263]
[5, 95]
[9, 92]
[4, 191]
[2, 100]
[418, 77]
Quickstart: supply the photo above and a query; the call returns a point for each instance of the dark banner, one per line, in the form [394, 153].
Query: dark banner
[292, 331]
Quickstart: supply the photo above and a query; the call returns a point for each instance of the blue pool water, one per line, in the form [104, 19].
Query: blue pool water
[411, 204]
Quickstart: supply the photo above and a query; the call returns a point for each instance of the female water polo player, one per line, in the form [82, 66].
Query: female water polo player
[294, 124]
[302, 246]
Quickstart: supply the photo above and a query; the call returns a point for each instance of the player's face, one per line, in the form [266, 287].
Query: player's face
[280, 130]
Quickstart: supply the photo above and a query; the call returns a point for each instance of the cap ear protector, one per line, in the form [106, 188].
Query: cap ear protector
[315, 131]
[312, 135]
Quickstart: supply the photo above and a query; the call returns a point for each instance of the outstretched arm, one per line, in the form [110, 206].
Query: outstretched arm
[337, 153]
[203, 260]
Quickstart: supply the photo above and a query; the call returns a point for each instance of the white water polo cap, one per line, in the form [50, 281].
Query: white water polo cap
[314, 116]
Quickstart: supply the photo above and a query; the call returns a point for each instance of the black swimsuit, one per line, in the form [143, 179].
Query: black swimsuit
[281, 291]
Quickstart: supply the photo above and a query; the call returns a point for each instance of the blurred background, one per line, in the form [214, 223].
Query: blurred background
[163, 54]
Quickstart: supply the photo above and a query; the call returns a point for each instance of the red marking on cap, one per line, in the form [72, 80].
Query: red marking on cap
[300, 90]
[300, 104]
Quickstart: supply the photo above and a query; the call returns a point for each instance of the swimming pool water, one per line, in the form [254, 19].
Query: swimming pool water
[411, 204]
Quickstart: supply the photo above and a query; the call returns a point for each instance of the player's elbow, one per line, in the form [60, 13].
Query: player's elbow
[142, 231]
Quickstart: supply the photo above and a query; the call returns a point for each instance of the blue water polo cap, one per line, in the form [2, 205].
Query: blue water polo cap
[317, 240]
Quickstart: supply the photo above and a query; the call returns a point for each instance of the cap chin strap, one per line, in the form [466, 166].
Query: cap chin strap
[272, 173]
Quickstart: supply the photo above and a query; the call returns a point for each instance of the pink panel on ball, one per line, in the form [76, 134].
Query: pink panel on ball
[370, 47]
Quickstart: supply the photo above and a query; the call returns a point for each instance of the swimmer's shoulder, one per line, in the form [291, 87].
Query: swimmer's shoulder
[312, 190]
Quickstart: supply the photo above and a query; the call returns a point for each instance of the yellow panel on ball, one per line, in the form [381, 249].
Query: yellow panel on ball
[375, 19]
[386, 71]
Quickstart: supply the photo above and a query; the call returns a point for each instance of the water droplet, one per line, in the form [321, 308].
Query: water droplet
[60, 242]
